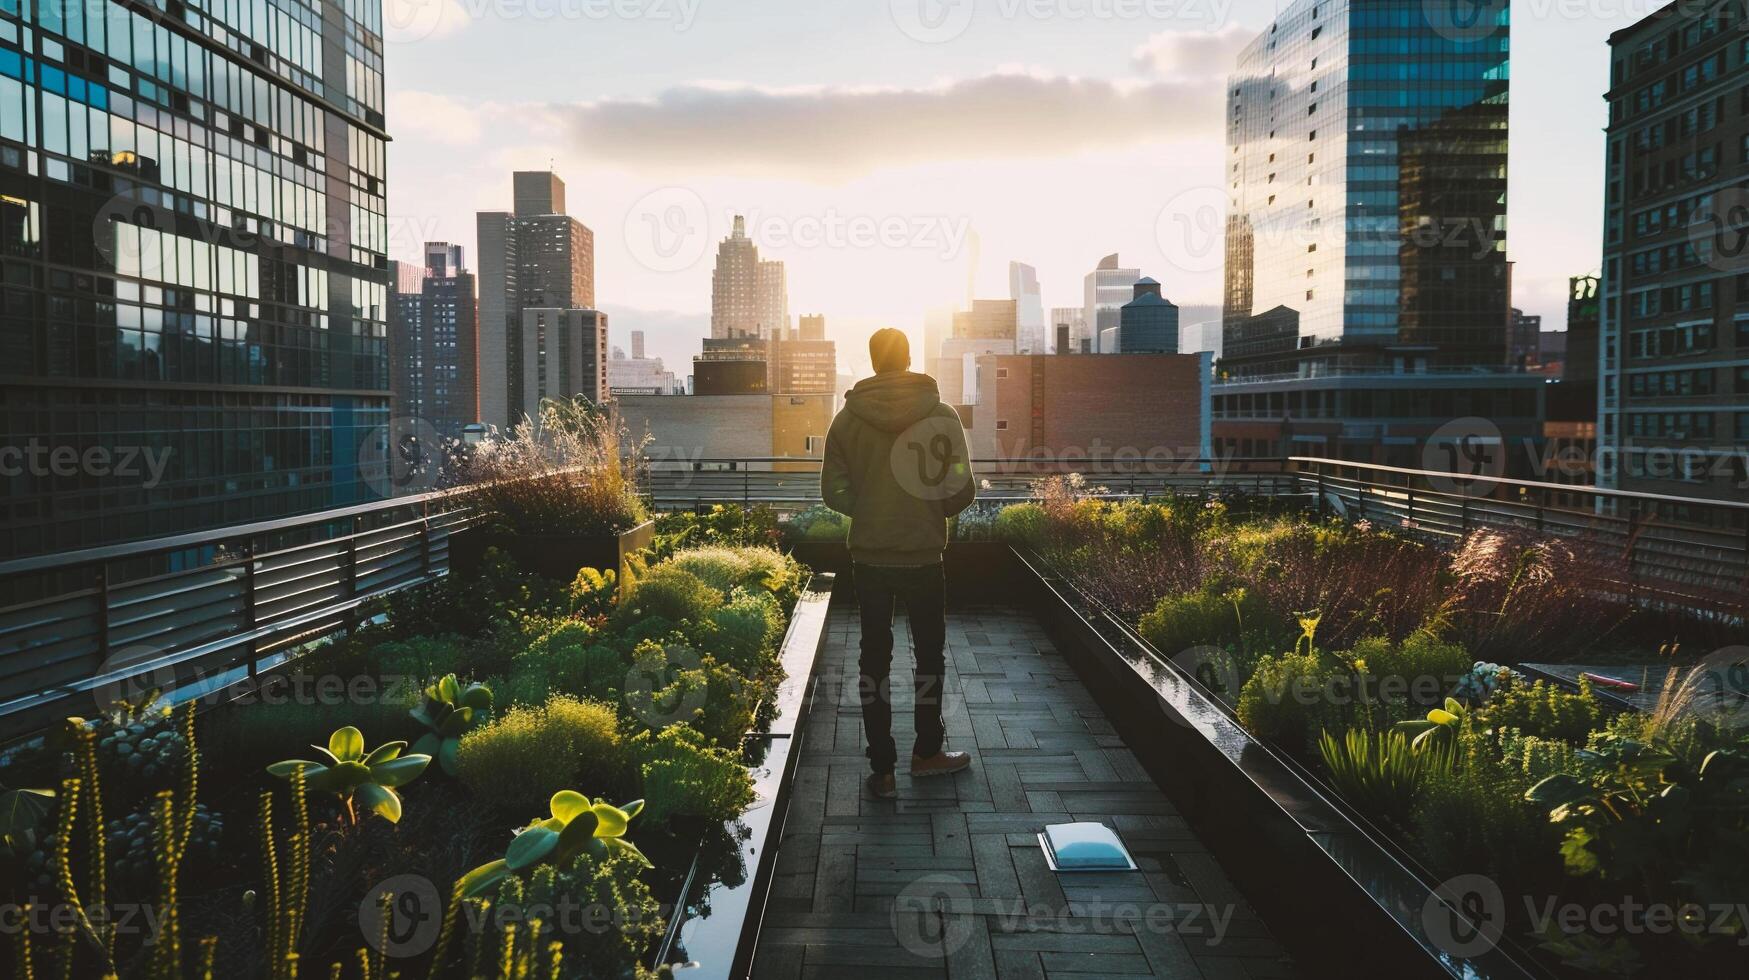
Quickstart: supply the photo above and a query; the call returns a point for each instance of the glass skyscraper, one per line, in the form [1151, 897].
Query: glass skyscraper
[1367, 176]
[193, 267]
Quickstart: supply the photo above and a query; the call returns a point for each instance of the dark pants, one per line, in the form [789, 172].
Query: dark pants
[923, 589]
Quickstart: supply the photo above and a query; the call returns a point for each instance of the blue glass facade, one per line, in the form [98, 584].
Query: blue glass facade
[193, 237]
[1366, 173]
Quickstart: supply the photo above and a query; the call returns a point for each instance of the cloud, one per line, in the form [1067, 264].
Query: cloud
[837, 133]
[1193, 54]
[438, 118]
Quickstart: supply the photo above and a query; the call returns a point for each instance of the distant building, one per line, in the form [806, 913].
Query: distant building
[639, 375]
[812, 327]
[1200, 338]
[956, 371]
[687, 431]
[564, 356]
[1105, 291]
[1570, 422]
[434, 341]
[535, 257]
[801, 366]
[1674, 335]
[1524, 341]
[1125, 407]
[1148, 323]
[732, 366]
[1075, 319]
[749, 296]
[988, 319]
[937, 327]
[1031, 336]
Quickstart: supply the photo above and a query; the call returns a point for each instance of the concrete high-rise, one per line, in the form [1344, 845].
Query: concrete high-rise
[1105, 290]
[1074, 318]
[749, 295]
[1030, 333]
[535, 257]
[195, 296]
[434, 343]
[564, 356]
[1673, 385]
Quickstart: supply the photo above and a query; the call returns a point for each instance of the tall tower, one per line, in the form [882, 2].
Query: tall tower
[1029, 308]
[535, 257]
[434, 342]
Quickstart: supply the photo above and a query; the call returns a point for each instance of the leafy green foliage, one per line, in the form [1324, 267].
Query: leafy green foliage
[760, 570]
[818, 523]
[1292, 697]
[671, 594]
[1545, 710]
[593, 593]
[357, 776]
[576, 826]
[684, 776]
[1380, 773]
[1206, 617]
[474, 605]
[719, 524]
[450, 711]
[1438, 731]
[1474, 818]
[528, 753]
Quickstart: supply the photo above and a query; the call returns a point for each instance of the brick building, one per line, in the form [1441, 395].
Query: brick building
[1121, 406]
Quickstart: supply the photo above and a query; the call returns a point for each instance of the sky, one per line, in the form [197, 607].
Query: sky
[896, 153]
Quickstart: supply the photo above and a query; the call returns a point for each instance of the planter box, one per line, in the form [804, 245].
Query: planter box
[1337, 894]
[552, 556]
[722, 943]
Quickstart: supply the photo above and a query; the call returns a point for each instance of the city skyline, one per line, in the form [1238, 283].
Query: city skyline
[1112, 177]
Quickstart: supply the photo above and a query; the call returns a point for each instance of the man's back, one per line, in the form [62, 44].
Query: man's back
[897, 465]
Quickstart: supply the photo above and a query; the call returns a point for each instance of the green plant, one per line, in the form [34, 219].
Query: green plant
[576, 826]
[594, 592]
[1024, 524]
[571, 658]
[1545, 710]
[357, 776]
[450, 711]
[1205, 617]
[684, 776]
[668, 593]
[21, 811]
[1378, 772]
[572, 471]
[131, 839]
[530, 752]
[727, 569]
[744, 633]
[1291, 697]
[1438, 731]
[1474, 818]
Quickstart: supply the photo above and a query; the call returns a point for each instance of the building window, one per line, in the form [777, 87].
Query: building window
[1001, 373]
[1001, 425]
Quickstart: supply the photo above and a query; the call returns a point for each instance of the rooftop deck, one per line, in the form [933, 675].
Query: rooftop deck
[949, 880]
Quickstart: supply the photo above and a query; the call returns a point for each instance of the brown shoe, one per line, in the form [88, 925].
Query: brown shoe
[881, 786]
[941, 764]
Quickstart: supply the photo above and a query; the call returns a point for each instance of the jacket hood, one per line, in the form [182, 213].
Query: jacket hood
[895, 401]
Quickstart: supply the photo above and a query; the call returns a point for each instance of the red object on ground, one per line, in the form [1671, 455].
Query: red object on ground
[1610, 682]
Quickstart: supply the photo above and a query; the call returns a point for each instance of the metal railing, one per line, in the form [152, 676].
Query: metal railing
[216, 607]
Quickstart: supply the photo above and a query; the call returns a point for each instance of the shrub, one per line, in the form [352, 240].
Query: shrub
[473, 605]
[753, 569]
[593, 592]
[423, 658]
[720, 524]
[572, 472]
[519, 760]
[571, 658]
[1475, 820]
[1202, 617]
[1545, 710]
[683, 776]
[745, 633]
[1419, 671]
[1292, 697]
[668, 593]
[818, 523]
[1022, 524]
[674, 684]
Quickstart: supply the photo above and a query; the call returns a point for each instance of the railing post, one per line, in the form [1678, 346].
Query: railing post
[1321, 503]
[250, 617]
[102, 613]
[1464, 514]
[1542, 502]
[352, 572]
[1411, 492]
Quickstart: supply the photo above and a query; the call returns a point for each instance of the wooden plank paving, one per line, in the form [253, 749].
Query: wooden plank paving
[948, 881]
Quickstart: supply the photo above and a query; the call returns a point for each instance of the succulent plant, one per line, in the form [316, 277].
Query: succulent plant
[577, 826]
[450, 711]
[1483, 679]
[139, 746]
[132, 840]
[1438, 730]
[357, 776]
[21, 810]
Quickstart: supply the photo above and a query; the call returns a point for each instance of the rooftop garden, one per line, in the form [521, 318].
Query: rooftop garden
[501, 773]
[1389, 666]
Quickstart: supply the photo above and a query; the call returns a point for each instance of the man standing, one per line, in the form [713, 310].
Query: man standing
[897, 466]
